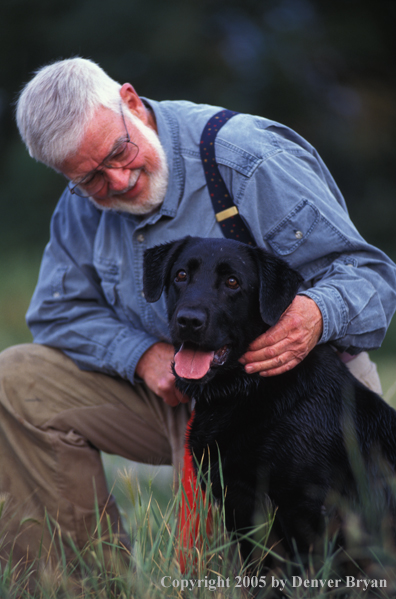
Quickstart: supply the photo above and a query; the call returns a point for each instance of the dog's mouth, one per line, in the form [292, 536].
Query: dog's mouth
[192, 362]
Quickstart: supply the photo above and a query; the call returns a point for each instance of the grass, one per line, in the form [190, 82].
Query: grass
[103, 569]
[151, 570]
[149, 505]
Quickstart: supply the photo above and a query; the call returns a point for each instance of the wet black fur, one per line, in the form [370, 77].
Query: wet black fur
[307, 439]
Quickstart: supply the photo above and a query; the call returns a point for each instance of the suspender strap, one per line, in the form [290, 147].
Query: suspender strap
[227, 215]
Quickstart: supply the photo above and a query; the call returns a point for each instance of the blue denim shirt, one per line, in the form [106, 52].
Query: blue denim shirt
[89, 298]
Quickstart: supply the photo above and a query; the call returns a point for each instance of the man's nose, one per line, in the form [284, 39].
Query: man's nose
[118, 178]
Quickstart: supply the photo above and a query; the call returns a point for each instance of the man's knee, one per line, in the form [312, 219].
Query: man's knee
[29, 375]
[12, 355]
[15, 370]
[21, 360]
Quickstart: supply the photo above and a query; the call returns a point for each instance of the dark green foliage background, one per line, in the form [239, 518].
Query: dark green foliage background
[323, 68]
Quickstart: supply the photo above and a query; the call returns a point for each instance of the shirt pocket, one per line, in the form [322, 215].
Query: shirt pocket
[294, 230]
[307, 240]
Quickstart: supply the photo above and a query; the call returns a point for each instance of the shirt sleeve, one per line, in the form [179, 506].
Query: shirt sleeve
[296, 210]
[68, 310]
[356, 300]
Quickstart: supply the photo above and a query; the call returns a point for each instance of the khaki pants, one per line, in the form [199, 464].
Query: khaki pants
[365, 371]
[54, 420]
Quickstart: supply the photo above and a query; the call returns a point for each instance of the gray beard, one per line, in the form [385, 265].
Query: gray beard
[158, 180]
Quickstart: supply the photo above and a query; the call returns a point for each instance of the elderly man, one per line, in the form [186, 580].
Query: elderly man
[98, 376]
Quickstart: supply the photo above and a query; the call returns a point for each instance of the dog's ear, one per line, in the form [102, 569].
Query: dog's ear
[157, 262]
[278, 285]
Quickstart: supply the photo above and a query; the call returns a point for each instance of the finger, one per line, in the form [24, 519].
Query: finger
[281, 370]
[172, 396]
[175, 400]
[281, 361]
[262, 355]
[167, 390]
[274, 335]
[268, 365]
[273, 352]
[171, 400]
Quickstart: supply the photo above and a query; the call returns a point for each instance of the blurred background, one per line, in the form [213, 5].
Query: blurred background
[325, 68]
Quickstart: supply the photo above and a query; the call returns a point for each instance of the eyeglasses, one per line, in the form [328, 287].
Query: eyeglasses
[122, 155]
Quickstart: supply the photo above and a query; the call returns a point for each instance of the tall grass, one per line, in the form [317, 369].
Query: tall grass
[105, 568]
[150, 567]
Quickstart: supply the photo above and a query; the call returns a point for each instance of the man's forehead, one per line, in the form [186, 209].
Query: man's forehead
[103, 118]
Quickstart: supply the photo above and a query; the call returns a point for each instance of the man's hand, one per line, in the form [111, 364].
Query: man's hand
[154, 367]
[287, 343]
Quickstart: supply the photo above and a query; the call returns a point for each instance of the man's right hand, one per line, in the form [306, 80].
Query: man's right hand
[154, 367]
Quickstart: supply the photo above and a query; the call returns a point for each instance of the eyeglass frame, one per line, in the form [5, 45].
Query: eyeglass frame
[72, 186]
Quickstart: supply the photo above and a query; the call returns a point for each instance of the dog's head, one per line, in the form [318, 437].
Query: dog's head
[221, 295]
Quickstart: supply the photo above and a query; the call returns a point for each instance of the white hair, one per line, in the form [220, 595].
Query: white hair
[55, 107]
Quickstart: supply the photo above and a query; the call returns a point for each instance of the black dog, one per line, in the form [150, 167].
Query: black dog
[308, 439]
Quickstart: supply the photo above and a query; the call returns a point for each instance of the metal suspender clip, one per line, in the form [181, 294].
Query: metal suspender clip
[226, 213]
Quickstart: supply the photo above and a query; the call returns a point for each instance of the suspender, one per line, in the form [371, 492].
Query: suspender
[227, 215]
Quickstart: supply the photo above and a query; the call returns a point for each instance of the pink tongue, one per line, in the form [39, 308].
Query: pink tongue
[192, 364]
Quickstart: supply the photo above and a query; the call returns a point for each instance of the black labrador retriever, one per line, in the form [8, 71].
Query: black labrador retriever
[309, 439]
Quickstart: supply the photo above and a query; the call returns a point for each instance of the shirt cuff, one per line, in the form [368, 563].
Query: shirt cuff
[334, 312]
[126, 350]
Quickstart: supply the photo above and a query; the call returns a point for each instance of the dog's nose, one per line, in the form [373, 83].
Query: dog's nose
[191, 319]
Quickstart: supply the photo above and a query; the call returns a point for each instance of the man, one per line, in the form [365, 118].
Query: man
[98, 376]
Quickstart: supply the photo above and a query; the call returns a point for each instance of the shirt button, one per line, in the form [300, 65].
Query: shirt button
[298, 234]
[56, 294]
[140, 238]
[142, 294]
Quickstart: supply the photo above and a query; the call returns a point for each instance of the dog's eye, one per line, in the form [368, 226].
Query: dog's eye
[181, 276]
[232, 283]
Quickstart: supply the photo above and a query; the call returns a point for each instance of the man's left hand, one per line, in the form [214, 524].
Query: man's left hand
[287, 343]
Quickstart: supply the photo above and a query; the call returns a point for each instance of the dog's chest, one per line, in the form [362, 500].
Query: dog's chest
[222, 443]
[250, 443]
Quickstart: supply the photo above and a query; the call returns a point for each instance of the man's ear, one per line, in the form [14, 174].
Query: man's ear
[278, 285]
[157, 262]
[132, 100]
